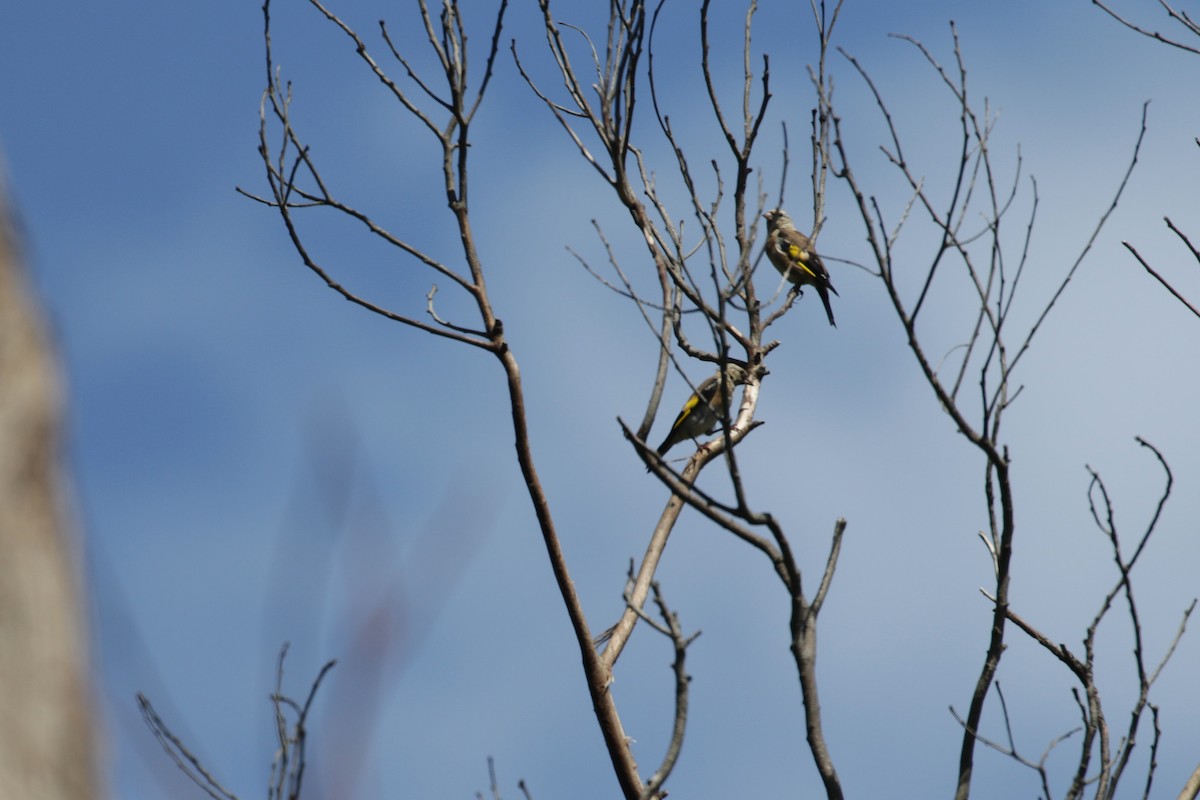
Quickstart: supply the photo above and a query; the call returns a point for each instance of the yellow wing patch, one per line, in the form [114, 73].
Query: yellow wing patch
[686, 411]
[799, 258]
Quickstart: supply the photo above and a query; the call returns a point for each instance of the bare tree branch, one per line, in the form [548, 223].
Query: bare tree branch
[975, 190]
[187, 762]
[287, 769]
[1191, 790]
[447, 39]
[1179, 16]
[1010, 749]
[1161, 279]
[671, 629]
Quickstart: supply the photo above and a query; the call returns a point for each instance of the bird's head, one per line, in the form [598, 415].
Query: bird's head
[777, 219]
[737, 373]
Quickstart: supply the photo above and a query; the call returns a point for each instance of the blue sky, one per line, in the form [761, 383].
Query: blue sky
[256, 460]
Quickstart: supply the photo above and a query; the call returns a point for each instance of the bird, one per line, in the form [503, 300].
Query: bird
[703, 411]
[793, 255]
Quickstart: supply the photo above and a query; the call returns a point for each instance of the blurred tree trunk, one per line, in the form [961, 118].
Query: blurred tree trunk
[46, 728]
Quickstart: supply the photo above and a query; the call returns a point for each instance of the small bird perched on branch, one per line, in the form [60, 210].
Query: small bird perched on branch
[793, 255]
[703, 411]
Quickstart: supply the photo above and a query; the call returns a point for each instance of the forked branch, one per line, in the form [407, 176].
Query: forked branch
[980, 255]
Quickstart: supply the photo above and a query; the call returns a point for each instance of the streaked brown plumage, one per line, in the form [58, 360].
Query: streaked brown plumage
[702, 412]
[792, 254]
